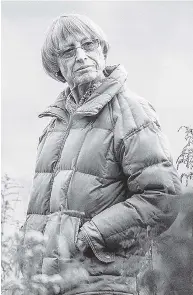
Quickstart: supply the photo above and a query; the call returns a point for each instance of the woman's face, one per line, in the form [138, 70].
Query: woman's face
[85, 65]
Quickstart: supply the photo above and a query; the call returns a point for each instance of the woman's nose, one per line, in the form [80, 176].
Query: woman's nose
[80, 54]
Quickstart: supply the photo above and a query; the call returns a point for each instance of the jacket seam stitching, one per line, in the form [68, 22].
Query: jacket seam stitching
[121, 142]
[154, 164]
[140, 128]
[106, 154]
[116, 151]
[129, 107]
[111, 114]
[75, 170]
[129, 135]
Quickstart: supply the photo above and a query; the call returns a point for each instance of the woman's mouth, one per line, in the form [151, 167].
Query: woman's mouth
[83, 68]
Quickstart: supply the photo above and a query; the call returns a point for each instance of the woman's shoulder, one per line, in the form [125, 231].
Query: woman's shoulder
[134, 110]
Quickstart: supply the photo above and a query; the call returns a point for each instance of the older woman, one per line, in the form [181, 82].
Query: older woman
[104, 175]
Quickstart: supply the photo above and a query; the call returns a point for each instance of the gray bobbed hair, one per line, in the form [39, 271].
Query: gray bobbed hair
[64, 26]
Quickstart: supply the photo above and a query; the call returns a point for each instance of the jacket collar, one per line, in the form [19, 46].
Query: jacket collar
[55, 110]
[114, 81]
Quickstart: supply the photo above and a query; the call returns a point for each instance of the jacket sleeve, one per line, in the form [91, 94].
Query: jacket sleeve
[153, 185]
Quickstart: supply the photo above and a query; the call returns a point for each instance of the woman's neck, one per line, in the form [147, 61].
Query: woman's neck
[80, 90]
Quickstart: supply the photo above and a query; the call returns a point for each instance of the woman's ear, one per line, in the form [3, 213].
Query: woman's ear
[105, 51]
[105, 48]
[105, 72]
[60, 76]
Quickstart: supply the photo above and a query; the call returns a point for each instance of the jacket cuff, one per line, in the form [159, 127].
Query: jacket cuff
[82, 237]
[96, 242]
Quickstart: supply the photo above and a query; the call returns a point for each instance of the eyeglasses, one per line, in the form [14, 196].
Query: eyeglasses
[86, 46]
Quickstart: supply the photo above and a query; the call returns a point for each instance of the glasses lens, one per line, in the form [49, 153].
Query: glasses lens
[68, 53]
[90, 45]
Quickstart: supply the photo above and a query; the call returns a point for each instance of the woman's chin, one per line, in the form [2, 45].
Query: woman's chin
[85, 78]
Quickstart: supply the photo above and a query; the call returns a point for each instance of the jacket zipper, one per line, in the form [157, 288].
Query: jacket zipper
[55, 168]
[62, 144]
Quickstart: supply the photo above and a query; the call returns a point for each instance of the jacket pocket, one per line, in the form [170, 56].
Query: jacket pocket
[50, 264]
[69, 229]
[61, 231]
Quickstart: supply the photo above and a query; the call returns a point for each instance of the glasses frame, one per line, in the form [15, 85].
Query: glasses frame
[96, 44]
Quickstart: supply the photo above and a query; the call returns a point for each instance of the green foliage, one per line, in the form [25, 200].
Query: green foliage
[9, 195]
[186, 156]
[25, 254]
[29, 256]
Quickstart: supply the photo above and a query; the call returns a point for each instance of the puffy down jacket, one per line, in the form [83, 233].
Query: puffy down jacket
[105, 171]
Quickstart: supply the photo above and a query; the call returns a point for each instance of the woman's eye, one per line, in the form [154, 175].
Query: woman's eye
[68, 50]
[88, 43]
